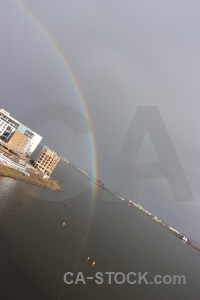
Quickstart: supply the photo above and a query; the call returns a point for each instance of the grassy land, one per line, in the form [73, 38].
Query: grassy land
[33, 179]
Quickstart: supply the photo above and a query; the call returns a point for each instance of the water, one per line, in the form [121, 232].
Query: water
[36, 250]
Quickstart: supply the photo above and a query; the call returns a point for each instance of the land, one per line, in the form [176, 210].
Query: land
[138, 207]
[37, 180]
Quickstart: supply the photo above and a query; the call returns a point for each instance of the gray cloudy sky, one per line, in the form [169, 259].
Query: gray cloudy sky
[124, 54]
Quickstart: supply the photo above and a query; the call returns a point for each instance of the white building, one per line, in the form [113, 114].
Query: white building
[173, 229]
[8, 125]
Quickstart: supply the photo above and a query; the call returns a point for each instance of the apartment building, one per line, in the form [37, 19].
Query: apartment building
[46, 161]
[8, 125]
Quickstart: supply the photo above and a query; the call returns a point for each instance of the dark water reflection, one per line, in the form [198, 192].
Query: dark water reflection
[36, 250]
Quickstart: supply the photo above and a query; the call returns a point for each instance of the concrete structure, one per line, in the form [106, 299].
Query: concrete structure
[8, 125]
[18, 140]
[46, 161]
[12, 164]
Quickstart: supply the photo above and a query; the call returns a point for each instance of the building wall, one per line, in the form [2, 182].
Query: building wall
[18, 140]
[33, 144]
[5, 116]
[33, 139]
[22, 128]
[26, 146]
[6, 129]
[46, 161]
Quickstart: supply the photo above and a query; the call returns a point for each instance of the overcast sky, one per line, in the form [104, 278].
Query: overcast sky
[123, 54]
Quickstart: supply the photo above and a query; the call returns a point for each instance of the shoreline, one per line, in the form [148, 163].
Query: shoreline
[138, 207]
[51, 184]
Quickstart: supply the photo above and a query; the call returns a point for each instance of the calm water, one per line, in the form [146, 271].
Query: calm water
[36, 251]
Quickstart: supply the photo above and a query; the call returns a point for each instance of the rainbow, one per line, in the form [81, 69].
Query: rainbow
[61, 58]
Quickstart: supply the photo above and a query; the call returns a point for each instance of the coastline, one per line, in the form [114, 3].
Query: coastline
[52, 184]
[138, 207]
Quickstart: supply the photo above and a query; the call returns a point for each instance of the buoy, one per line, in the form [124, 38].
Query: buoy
[88, 258]
[93, 263]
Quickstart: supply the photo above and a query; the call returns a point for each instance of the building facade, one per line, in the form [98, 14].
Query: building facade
[8, 125]
[18, 140]
[46, 161]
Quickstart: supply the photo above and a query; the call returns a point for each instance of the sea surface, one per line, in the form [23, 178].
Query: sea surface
[36, 249]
